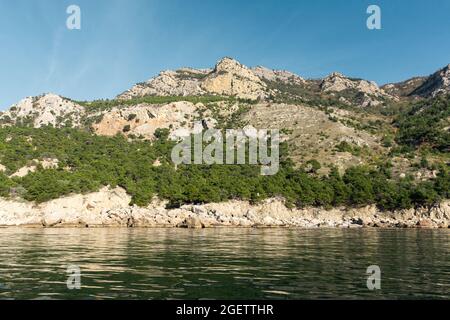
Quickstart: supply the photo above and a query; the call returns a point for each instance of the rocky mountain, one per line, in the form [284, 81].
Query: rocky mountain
[364, 93]
[332, 119]
[337, 82]
[422, 87]
[436, 84]
[184, 82]
[143, 120]
[277, 75]
[404, 88]
[47, 109]
[229, 78]
[52, 146]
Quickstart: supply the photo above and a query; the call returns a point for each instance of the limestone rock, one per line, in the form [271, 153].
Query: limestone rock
[234, 79]
[436, 84]
[169, 83]
[48, 109]
[229, 78]
[191, 222]
[425, 223]
[370, 94]
[110, 207]
[144, 119]
[277, 75]
[46, 163]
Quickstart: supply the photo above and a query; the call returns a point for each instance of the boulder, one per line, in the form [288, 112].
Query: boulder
[425, 223]
[191, 223]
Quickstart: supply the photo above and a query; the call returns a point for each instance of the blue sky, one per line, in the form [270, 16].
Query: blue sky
[122, 42]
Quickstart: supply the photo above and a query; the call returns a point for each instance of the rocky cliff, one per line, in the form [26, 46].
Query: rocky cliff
[436, 84]
[332, 122]
[47, 109]
[228, 77]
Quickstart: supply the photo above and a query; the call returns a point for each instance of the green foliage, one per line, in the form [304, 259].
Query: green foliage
[424, 125]
[359, 182]
[99, 105]
[313, 165]
[344, 146]
[5, 185]
[387, 141]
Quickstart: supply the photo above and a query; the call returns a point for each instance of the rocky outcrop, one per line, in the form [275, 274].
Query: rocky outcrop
[336, 82]
[48, 109]
[229, 78]
[277, 75]
[144, 119]
[404, 88]
[110, 208]
[436, 84]
[77, 210]
[184, 82]
[367, 93]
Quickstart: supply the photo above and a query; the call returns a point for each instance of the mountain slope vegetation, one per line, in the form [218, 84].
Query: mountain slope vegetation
[346, 141]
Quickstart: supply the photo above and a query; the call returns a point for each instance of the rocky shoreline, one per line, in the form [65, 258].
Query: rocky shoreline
[110, 208]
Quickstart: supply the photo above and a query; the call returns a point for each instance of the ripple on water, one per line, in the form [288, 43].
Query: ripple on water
[223, 263]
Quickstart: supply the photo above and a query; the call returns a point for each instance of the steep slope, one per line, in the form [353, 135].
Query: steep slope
[436, 84]
[277, 75]
[314, 134]
[143, 120]
[366, 93]
[322, 114]
[404, 88]
[234, 79]
[229, 77]
[184, 82]
[51, 146]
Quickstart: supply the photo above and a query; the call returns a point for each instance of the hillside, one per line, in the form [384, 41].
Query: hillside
[346, 141]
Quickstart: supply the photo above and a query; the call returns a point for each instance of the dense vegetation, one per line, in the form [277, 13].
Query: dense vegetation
[87, 162]
[426, 124]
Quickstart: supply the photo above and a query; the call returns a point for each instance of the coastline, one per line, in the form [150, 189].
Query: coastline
[110, 208]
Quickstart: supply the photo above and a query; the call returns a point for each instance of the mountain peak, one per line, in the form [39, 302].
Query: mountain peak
[277, 75]
[228, 64]
[337, 82]
[336, 74]
[436, 84]
[229, 77]
[45, 109]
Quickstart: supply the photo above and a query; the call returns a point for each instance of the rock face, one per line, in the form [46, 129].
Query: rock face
[110, 207]
[314, 135]
[337, 82]
[46, 163]
[234, 79]
[436, 84]
[44, 110]
[368, 92]
[404, 88]
[184, 82]
[277, 75]
[142, 120]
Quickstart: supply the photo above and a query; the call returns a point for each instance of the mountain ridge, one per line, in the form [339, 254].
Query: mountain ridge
[231, 78]
[344, 141]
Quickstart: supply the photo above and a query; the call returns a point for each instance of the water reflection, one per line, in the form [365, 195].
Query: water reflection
[223, 263]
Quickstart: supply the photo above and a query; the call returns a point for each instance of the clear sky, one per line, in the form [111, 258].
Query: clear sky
[122, 42]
